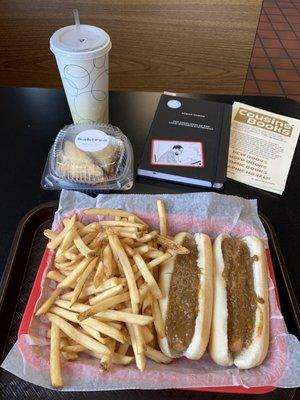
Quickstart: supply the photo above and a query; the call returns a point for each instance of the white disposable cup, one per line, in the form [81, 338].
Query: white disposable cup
[82, 60]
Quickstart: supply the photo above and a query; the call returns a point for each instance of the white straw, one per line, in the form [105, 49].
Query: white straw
[77, 20]
[77, 24]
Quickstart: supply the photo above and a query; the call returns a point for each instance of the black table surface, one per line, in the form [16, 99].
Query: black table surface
[31, 118]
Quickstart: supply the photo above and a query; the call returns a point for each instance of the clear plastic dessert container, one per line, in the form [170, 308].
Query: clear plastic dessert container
[89, 157]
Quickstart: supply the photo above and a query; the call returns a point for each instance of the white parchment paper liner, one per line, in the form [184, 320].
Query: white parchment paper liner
[204, 212]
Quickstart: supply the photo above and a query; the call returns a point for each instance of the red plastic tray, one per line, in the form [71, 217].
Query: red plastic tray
[36, 292]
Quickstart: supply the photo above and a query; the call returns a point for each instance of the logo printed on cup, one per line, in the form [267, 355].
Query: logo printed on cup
[91, 140]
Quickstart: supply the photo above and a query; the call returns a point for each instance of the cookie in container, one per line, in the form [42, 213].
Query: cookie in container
[90, 157]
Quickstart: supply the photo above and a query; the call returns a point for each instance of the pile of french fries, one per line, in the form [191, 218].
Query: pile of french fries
[106, 298]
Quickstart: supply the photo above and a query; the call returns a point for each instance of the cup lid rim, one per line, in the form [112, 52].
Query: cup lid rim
[80, 54]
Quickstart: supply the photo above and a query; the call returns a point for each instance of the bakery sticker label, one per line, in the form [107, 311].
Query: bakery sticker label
[91, 140]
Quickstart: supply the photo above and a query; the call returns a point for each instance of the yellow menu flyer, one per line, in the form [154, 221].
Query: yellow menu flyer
[261, 147]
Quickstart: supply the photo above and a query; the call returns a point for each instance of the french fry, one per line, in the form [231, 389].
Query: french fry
[76, 335]
[134, 268]
[74, 348]
[123, 348]
[49, 234]
[106, 360]
[110, 268]
[87, 239]
[143, 290]
[116, 358]
[154, 254]
[131, 218]
[117, 262]
[162, 217]
[68, 295]
[153, 342]
[77, 307]
[153, 244]
[140, 358]
[53, 244]
[126, 334]
[66, 221]
[129, 251]
[92, 332]
[172, 245]
[67, 264]
[125, 229]
[142, 249]
[93, 323]
[63, 340]
[104, 305]
[79, 225]
[98, 241]
[108, 293]
[147, 334]
[115, 325]
[107, 284]
[48, 303]
[128, 241]
[147, 304]
[74, 275]
[61, 259]
[67, 241]
[139, 339]
[147, 237]
[69, 255]
[62, 334]
[157, 355]
[116, 245]
[82, 247]
[142, 266]
[99, 275]
[65, 272]
[90, 290]
[113, 213]
[90, 228]
[121, 224]
[158, 321]
[55, 368]
[55, 276]
[70, 356]
[83, 277]
[128, 317]
[158, 260]
[121, 359]
[126, 234]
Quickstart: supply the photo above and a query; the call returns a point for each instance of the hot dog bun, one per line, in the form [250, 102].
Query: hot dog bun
[204, 293]
[255, 352]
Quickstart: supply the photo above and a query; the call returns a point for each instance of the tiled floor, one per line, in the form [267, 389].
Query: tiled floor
[275, 63]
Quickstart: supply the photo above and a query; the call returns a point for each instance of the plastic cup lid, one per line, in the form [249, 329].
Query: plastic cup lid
[88, 43]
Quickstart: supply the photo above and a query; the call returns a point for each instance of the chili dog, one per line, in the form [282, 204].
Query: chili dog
[240, 321]
[186, 307]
